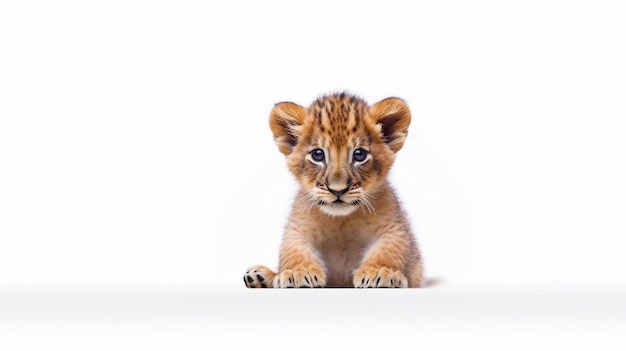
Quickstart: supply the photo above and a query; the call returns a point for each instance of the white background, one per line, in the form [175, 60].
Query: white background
[136, 153]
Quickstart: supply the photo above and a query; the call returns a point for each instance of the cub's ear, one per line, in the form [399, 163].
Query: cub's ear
[286, 121]
[393, 116]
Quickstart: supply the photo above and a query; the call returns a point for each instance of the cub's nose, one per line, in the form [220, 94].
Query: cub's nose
[338, 193]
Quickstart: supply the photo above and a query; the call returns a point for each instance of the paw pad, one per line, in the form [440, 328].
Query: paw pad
[256, 278]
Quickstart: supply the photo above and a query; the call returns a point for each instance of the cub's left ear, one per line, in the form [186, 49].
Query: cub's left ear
[393, 116]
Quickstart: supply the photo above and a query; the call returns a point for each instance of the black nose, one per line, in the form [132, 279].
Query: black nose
[338, 193]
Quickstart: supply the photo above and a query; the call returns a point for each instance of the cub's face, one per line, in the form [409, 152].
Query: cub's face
[340, 149]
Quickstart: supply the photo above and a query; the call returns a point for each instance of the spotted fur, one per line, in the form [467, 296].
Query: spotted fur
[346, 228]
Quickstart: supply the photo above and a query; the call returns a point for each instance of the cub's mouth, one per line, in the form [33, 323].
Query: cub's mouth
[338, 202]
[338, 207]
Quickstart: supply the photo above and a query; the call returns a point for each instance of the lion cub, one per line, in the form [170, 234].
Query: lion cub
[346, 228]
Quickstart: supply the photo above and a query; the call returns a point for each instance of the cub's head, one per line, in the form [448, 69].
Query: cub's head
[340, 149]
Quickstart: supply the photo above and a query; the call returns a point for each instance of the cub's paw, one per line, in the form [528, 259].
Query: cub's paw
[259, 277]
[379, 277]
[300, 278]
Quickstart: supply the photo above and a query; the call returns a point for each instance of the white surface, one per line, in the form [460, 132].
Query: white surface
[136, 155]
[314, 319]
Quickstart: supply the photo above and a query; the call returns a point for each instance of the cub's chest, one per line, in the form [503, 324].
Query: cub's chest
[345, 236]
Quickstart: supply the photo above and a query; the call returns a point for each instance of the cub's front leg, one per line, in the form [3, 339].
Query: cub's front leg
[299, 265]
[384, 263]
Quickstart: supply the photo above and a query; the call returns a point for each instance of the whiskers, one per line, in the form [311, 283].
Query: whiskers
[308, 200]
[365, 201]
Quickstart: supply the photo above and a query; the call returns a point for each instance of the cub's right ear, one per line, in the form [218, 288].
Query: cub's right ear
[286, 120]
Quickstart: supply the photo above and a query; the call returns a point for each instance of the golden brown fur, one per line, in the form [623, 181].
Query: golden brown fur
[346, 228]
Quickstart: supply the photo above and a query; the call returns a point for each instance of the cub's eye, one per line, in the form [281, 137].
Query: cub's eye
[318, 155]
[359, 155]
